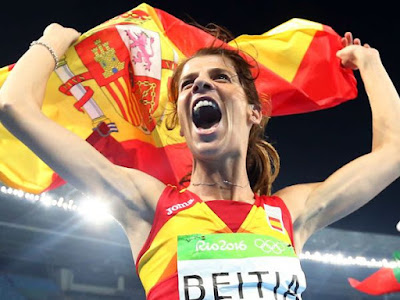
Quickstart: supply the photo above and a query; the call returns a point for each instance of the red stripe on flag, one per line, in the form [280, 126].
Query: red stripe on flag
[193, 39]
[127, 102]
[274, 219]
[276, 227]
[325, 82]
[136, 111]
[132, 104]
[114, 95]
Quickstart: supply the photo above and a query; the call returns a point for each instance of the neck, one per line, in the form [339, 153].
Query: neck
[221, 180]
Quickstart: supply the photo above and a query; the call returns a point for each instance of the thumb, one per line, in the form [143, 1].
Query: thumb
[340, 53]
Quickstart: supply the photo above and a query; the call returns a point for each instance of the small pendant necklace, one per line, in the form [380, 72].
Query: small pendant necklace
[225, 182]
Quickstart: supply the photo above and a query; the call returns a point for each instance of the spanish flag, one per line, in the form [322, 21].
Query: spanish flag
[382, 282]
[111, 90]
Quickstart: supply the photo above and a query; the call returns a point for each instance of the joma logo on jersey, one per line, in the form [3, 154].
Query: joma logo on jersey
[178, 206]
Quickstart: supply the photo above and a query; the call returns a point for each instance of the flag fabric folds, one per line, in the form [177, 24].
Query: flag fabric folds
[112, 89]
[382, 282]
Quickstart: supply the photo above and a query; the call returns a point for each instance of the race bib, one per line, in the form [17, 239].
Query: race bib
[238, 266]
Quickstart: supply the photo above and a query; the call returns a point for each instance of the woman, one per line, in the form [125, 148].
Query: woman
[172, 233]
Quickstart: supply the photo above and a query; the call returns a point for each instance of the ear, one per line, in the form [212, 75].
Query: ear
[255, 115]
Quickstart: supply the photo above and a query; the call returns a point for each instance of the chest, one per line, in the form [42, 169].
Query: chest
[262, 238]
[205, 219]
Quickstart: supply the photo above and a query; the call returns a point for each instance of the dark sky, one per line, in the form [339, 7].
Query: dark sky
[312, 145]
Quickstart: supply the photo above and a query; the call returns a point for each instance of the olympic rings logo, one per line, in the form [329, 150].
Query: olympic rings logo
[269, 246]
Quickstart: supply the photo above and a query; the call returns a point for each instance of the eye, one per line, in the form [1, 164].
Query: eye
[186, 84]
[222, 77]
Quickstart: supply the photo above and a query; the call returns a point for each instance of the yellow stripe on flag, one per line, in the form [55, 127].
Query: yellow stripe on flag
[281, 49]
[276, 224]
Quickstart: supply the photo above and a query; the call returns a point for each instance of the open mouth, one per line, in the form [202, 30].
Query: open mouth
[206, 113]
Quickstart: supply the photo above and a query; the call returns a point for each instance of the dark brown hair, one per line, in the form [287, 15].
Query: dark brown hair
[262, 160]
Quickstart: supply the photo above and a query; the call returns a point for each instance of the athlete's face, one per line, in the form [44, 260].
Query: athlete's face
[213, 110]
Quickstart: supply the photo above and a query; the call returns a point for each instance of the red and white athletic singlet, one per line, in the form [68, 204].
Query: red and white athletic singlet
[191, 254]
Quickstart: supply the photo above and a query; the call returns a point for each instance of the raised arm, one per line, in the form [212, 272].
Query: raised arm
[314, 206]
[71, 157]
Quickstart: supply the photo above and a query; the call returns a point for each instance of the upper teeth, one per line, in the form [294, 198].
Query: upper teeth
[202, 103]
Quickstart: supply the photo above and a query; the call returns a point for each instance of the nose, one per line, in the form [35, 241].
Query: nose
[202, 85]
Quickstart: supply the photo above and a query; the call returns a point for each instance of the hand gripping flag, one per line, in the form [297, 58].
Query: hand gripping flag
[384, 281]
[112, 90]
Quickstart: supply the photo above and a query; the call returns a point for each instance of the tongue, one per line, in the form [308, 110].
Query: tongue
[206, 116]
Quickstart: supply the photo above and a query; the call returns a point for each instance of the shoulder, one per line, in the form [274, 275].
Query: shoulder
[148, 187]
[140, 194]
[275, 206]
[295, 197]
[173, 200]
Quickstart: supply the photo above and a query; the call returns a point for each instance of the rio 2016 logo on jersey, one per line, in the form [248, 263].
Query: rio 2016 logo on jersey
[221, 245]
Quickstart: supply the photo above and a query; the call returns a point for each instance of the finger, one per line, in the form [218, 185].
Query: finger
[357, 41]
[341, 53]
[344, 42]
[367, 45]
[349, 38]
